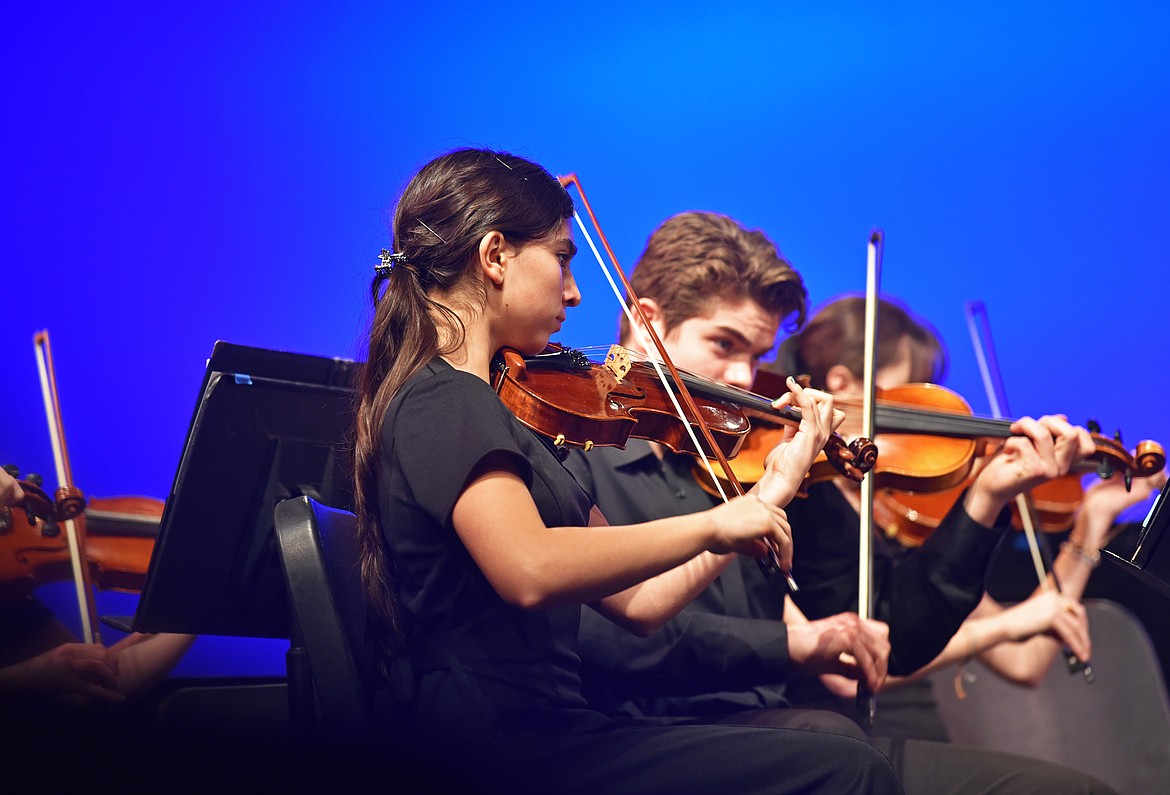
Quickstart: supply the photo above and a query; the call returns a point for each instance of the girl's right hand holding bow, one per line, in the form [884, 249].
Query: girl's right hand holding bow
[749, 526]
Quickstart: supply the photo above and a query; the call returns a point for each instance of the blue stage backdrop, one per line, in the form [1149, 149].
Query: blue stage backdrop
[176, 175]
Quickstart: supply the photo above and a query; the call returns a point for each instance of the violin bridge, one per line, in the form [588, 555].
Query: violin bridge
[617, 361]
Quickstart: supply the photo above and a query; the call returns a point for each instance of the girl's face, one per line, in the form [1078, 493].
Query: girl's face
[537, 288]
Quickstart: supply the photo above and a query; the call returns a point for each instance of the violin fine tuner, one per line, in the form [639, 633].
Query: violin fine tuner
[561, 441]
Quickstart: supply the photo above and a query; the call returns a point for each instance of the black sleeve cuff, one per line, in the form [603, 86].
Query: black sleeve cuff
[928, 596]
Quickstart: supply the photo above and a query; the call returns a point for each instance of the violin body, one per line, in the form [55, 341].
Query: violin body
[34, 549]
[563, 395]
[923, 462]
[912, 517]
[908, 461]
[123, 517]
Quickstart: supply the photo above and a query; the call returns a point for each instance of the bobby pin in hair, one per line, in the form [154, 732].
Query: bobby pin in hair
[432, 231]
[505, 165]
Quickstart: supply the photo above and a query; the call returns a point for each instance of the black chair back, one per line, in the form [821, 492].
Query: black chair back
[319, 553]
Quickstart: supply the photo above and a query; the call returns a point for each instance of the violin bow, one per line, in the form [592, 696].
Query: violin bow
[866, 701]
[74, 530]
[979, 327]
[633, 309]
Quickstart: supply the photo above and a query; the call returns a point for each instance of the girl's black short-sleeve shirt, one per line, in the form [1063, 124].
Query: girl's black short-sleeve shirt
[439, 426]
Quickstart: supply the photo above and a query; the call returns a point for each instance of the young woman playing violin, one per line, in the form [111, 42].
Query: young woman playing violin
[1019, 642]
[717, 294]
[479, 548]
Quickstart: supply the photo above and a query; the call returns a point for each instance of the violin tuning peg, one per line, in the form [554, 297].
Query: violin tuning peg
[1117, 436]
[13, 470]
[1105, 469]
[35, 479]
[1128, 480]
[1093, 426]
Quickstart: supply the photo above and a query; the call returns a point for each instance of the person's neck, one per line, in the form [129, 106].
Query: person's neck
[474, 354]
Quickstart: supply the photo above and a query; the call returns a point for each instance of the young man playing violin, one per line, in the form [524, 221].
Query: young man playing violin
[717, 295]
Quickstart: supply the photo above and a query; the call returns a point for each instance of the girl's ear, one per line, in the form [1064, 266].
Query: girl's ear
[493, 257]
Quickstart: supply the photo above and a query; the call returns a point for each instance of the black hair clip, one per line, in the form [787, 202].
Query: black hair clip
[387, 261]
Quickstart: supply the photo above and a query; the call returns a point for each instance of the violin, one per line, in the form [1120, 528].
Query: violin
[933, 448]
[121, 534]
[930, 441]
[749, 462]
[124, 517]
[565, 396]
[34, 549]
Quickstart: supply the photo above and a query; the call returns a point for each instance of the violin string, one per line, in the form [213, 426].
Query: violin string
[709, 388]
[897, 417]
[910, 418]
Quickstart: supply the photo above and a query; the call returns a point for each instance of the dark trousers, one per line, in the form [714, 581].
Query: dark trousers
[936, 768]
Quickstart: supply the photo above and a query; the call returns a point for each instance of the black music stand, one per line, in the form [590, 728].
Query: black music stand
[1146, 553]
[268, 425]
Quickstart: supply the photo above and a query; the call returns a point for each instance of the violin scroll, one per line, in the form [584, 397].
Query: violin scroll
[1149, 458]
[69, 503]
[854, 459]
[1110, 456]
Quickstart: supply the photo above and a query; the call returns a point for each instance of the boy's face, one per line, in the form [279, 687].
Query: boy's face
[725, 342]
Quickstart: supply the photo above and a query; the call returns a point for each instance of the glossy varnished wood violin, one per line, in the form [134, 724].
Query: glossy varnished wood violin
[564, 395]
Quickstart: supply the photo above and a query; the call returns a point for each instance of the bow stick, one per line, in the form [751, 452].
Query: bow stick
[633, 309]
[74, 530]
[866, 702]
[979, 327]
